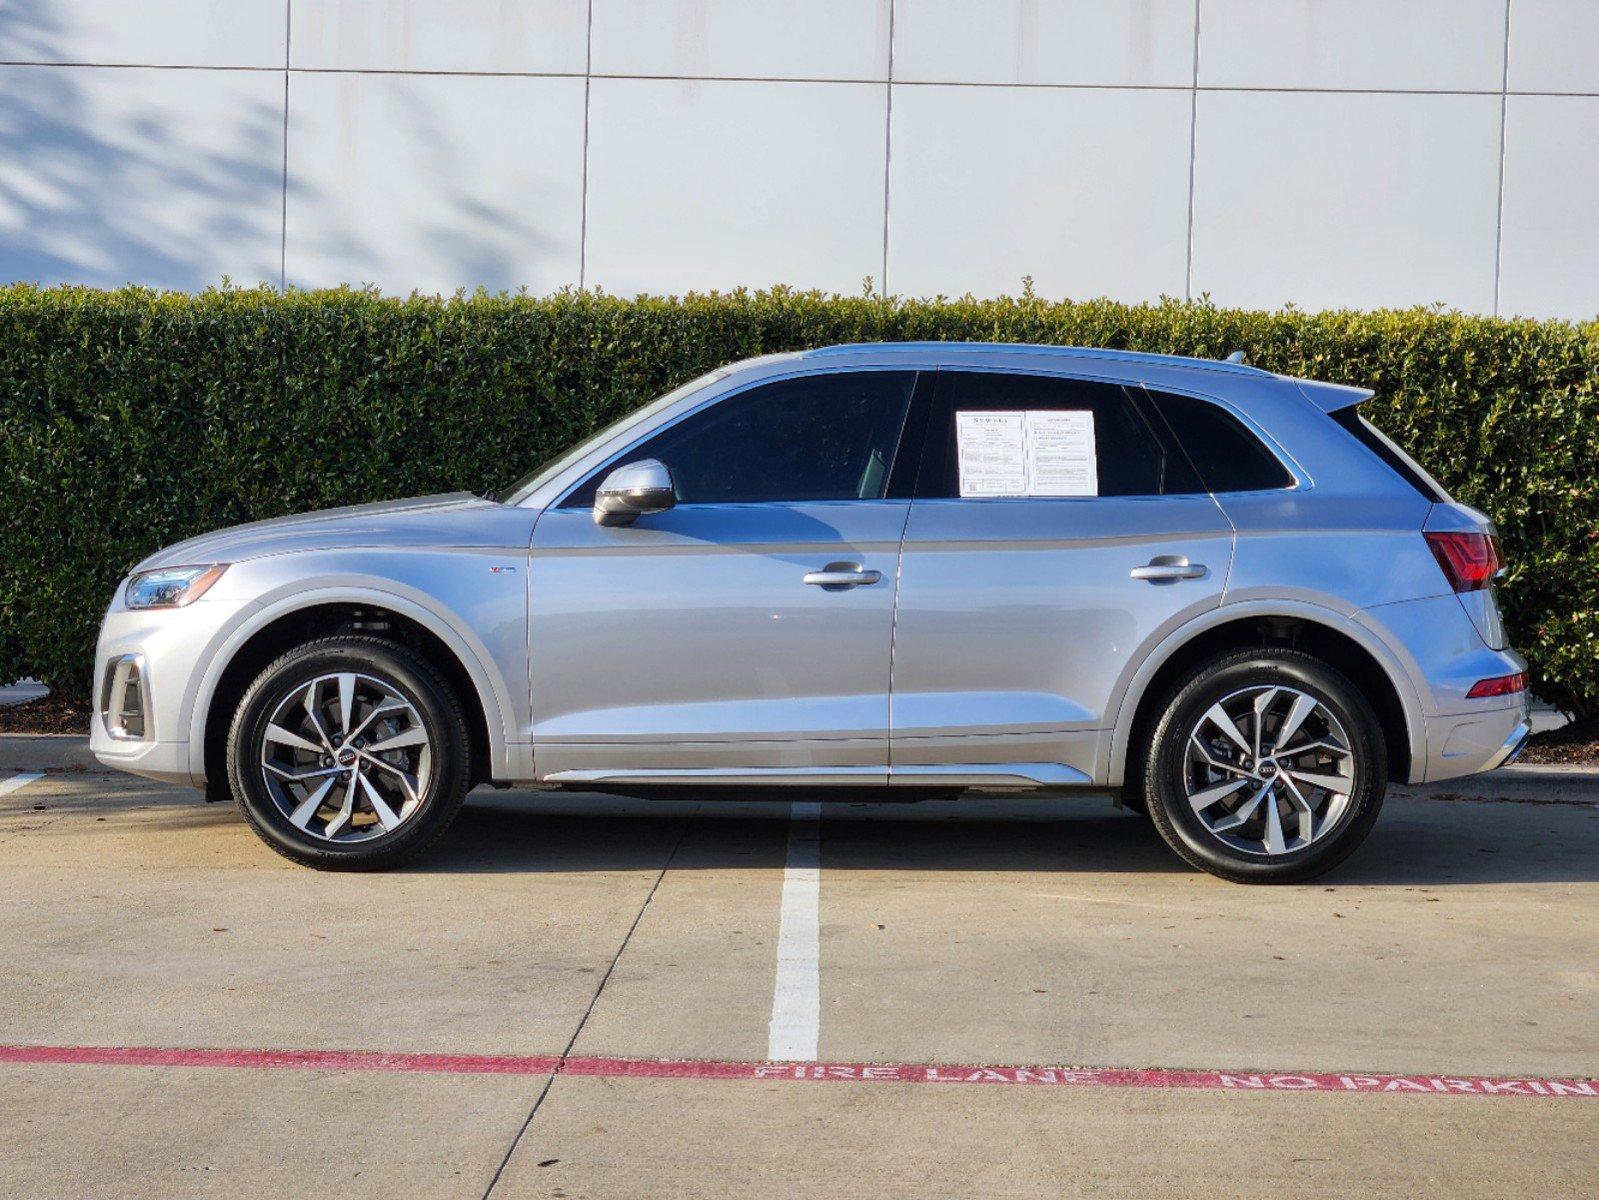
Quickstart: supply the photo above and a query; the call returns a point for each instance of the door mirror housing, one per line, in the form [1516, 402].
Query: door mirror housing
[635, 490]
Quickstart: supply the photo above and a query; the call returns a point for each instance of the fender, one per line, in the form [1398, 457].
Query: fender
[492, 692]
[1394, 662]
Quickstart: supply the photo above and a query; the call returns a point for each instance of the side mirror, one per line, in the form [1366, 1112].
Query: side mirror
[633, 491]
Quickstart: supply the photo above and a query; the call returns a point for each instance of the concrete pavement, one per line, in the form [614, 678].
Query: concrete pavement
[1459, 941]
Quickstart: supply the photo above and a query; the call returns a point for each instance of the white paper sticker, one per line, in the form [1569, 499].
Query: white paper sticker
[1032, 453]
[992, 453]
[1060, 454]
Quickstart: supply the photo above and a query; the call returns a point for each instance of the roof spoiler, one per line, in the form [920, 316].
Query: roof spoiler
[1332, 397]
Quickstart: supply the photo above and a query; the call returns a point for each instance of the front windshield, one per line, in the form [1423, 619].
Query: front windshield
[552, 467]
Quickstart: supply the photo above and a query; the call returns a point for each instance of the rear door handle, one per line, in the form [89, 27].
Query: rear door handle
[1168, 568]
[838, 575]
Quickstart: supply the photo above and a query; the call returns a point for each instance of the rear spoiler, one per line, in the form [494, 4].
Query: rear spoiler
[1331, 397]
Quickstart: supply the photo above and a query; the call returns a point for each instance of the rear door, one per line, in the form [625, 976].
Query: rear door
[1057, 533]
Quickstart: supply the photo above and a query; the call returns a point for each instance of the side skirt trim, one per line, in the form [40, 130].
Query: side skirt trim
[941, 774]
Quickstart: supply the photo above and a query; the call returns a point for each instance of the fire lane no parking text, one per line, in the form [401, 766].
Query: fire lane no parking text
[799, 1072]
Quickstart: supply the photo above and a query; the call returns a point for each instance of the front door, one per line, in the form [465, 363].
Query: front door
[1056, 531]
[746, 632]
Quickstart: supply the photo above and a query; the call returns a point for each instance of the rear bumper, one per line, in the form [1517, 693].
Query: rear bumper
[1511, 750]
[1467, 743]
[1452, 733]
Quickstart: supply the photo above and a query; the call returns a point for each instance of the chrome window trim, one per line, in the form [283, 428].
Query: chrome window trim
[929, 359]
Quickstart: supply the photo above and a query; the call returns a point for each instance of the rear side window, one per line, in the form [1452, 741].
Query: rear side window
[1130, 457]
[1228, 456]
[1379, 443]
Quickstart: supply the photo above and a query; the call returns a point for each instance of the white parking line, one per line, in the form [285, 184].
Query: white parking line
[797, 998]
[16, 782]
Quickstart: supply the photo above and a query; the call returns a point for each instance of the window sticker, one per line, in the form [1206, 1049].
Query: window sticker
[1038, 452]
[992, 452]
[1061, 459]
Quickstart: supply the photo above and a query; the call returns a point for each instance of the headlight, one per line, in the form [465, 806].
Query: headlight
[171, 587]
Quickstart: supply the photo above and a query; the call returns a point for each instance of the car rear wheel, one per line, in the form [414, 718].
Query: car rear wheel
[349, 753]
[1267, 766]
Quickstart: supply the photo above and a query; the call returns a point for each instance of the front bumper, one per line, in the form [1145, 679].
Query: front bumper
[173, 647]
[167, 762]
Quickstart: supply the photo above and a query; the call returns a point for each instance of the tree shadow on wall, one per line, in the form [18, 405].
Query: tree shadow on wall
[174, 177]
[450, 234]
[111, 175]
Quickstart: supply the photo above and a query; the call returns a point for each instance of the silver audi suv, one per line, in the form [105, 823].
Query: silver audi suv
[895, 571]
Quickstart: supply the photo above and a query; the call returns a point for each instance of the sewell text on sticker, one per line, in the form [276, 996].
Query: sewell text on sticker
[1037, 452]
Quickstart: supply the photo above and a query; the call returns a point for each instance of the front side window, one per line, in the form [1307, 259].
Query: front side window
[818, 437]
[551, 467]
[1035, 436]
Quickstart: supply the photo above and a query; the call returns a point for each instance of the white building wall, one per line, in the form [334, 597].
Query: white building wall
[1326, 153]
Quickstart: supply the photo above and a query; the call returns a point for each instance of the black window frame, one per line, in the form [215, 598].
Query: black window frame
[938, 447]
[1394, 456]
[902, 470]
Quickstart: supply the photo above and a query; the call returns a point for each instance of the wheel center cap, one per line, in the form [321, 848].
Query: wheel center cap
[1267, 769]
[346, 757]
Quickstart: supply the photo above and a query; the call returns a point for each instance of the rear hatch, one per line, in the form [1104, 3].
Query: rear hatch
[1462, 540]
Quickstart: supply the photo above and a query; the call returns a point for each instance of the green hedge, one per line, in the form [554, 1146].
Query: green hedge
[130, 419]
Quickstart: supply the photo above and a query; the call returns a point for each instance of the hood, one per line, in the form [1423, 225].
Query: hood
[457, 519]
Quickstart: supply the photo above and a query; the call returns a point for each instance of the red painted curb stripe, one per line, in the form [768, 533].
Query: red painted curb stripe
[644, 1068]
[301, 1060]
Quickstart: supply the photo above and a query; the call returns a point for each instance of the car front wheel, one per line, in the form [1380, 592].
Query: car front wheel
[1267, 766]
[349, 753]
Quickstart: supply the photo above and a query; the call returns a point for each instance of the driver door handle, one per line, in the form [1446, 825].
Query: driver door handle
[837, 575]
[1168, 568]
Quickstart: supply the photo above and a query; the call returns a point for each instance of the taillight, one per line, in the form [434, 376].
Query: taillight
[1469, 560]
[1499, 685]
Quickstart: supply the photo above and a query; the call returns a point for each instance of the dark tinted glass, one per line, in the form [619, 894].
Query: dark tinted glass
[1229, 458]
[1133, 459]
[822, 437]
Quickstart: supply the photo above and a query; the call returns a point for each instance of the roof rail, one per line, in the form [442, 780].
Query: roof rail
[1088, 352]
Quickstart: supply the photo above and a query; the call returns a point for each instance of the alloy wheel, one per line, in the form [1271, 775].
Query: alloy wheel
[1268, 770]
[346, 757]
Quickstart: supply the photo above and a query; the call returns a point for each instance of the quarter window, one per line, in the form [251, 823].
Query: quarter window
[818, 437]
[1228, 457]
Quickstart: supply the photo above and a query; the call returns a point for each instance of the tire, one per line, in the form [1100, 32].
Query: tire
[380, 807]
[1197, 788]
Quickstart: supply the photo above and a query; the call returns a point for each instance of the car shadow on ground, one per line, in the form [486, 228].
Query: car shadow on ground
[1418, 841]
[506, 838]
